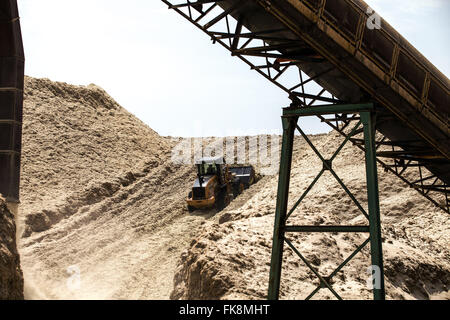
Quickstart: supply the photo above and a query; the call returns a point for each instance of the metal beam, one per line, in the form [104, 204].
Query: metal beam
[315, 97]
[374, 203]
[289, 126]
[329, 229]
[327, 109]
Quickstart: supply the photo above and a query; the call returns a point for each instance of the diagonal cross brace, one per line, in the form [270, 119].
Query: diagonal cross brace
[328, 166]
[322, 280]
[339, 268]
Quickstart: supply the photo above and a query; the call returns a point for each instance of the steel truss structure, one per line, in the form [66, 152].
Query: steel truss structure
[254, 50]
[366, 125]
[281, 60]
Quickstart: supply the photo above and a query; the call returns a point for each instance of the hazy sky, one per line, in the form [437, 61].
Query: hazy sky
[165, 71]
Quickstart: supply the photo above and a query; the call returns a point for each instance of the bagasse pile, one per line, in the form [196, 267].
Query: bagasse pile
[101, 193]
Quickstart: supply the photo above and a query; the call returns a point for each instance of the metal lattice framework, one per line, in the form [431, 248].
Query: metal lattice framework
[255, 50]
[282, 229]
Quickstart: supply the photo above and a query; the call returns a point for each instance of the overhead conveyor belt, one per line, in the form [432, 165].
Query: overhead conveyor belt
[11, 99]
[336, 45]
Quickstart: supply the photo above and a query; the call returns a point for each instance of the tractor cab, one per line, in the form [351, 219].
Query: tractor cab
[216, 185]
[211, 166]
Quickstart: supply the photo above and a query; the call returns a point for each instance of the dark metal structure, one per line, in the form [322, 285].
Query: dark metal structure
[11, 99]
[369, 74]
[365, 125]
[329, 43]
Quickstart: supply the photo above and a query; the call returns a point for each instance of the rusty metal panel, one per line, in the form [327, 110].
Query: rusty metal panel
[314, 4]
[379, 47]
[342, 14]
[438, 99]
[410, 74]
[11, 99]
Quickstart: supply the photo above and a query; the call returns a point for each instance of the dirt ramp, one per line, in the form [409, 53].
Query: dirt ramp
[224, 262]
[11, 278]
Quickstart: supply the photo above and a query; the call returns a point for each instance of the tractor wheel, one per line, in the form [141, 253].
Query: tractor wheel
[251, 181]
[220, 201]
[236, 190]
[190, 208]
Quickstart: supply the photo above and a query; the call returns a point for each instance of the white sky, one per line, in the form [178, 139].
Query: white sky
[165, 71]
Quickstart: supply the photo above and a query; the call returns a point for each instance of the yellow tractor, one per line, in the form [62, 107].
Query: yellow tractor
[217, 184]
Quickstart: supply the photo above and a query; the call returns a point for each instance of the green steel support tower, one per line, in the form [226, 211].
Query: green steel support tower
[282, 228]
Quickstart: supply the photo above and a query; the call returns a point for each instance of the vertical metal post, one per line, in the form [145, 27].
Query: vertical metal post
[374, 205]
[289, 125]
